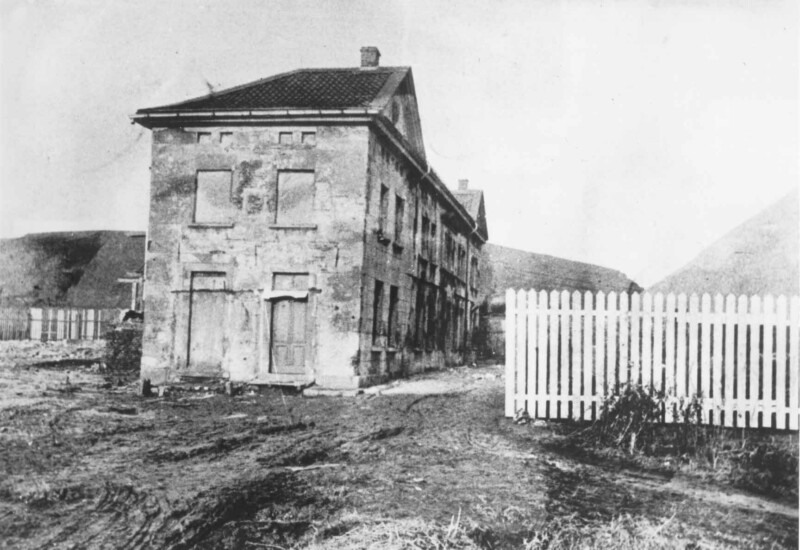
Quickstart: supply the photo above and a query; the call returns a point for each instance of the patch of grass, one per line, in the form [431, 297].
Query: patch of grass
[631, 421]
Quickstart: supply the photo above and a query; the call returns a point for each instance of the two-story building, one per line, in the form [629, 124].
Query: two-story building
[298, 234]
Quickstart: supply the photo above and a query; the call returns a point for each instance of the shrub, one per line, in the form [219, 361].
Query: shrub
[124, 348]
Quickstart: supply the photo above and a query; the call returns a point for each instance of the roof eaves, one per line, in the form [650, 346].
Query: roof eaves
[390, 87]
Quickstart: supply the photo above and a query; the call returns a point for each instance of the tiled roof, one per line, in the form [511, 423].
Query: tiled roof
[301, 89]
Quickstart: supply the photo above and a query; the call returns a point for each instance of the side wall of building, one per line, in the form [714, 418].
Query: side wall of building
[419, 290]
[248, 239]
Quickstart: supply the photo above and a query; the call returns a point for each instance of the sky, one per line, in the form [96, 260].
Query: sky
[629, 134]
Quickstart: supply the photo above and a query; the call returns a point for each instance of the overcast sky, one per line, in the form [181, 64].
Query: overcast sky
[627, 133]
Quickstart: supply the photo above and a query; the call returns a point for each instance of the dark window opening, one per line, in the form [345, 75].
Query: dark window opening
[394, 330]
[377, 312]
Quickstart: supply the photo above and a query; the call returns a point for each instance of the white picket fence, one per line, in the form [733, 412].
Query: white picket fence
[47, 324]
[566, 352]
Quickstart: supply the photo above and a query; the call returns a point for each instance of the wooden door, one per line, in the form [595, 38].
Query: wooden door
[206, 322]
[289, 345]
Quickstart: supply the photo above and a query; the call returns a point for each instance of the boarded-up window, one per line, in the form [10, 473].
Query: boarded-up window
[295, 197]
[213, 197]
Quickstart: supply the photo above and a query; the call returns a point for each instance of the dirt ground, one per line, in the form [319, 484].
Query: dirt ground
[90, 464]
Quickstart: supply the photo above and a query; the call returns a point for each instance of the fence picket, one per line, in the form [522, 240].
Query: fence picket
[563, 366]
[780, 364]
[588, 370]
[658, 342]
[704, 389]
[635, 361]
[522, 348]
[741, 360]
[511, 351]
[794, 362]
[755, 360]
[575, 363]
[530, 393]
[680, 348]
[647, 340]
[623, 370]
[729, 358]
[541, 363]
[717, 356]
[612, 372]
[599, 348]
[669, 364]
[552, 356]
[767, 357]
[694, 345]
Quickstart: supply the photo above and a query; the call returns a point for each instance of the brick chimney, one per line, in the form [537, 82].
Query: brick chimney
[370, 57]
[463, 185]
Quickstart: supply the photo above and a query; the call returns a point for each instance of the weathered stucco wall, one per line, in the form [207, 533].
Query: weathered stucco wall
[249, 249]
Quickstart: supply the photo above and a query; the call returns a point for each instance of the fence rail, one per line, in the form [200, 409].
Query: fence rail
[566, 352]
[47, 324]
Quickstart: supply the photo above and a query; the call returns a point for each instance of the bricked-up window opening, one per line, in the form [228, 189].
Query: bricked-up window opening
[225, 138]
[295, 197]
[308, 138]
[399, 215]
[213, 197]
[377, 312]
[285, 138]
[383, 212]
[203, 137]
[394, 328]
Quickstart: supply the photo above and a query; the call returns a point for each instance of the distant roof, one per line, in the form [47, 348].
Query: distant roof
[472, 201]
[300, 89]
[760, 256]
[522, 270]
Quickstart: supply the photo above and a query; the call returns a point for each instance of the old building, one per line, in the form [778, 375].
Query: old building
[298, 234]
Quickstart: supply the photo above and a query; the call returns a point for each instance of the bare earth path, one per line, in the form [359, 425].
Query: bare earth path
[91, 467]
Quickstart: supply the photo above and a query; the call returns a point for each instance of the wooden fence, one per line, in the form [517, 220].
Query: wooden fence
[47, 324]
[566, 352]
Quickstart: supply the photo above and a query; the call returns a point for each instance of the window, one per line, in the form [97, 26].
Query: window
[426, 227]
[295, 197]
[432, 245]
[377, 312]
[225, 138]
[473, 272]
[462, 261]
[449, 251]
[383, 212]
[204, 137]
[285, 138]
[213, 197]
[399, 213]
[393, 330]
[308, 138]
